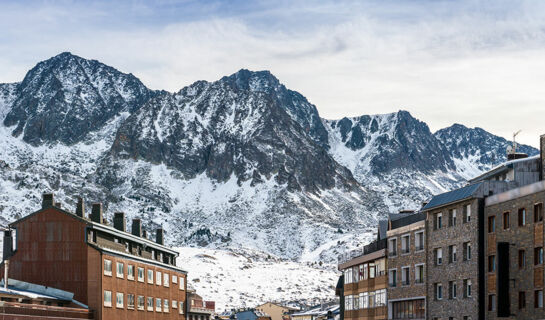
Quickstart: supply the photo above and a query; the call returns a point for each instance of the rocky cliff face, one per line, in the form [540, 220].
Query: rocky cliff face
[64, 98]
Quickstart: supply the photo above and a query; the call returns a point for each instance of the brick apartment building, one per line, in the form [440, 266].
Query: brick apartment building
[199, 309]
[407, 266]
[117, 274]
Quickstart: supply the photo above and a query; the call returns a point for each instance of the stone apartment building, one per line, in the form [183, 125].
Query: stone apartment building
[407, 266]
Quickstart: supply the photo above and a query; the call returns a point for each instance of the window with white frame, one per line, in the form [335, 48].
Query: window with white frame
[120, 270]
[150, 276]
[130, 272]
[365, 271]
[392, 247]
[419, 241]
[438, 221]
[439, 256]
[165, 305]
[405, 244]
[107, 267]
[372, 299]
[158, 278]
[467, 288]
[174, 304]
[438, 291]
[166, 280]
[140, 302]
[150, 304]
[452, 254]
[174, 279]
[360, 303]
[405, 276]
[365, 300]
[355, 302]
[380, 298]
[452, 218]
[119, 300]
[355, 274]
[348, 275]
[181, 309]
[182, 283]
[158, 304]
[348, 302]
[130, 301]
[107, 298]
[467, 213]
[141, 274]
[467, 251]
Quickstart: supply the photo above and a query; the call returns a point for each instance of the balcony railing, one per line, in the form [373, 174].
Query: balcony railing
[372, 247]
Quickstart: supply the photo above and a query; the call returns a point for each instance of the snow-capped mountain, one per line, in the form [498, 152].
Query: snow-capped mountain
[242, 162]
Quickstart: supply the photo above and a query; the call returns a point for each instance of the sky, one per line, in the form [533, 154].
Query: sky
[478, 63]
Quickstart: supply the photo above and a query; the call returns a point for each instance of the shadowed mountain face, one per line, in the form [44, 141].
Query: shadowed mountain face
[239, 162]
[64, 98]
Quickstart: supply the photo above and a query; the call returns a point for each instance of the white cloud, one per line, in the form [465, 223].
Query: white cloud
[475, 63]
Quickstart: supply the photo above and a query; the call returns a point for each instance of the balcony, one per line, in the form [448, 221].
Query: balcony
[200, 306]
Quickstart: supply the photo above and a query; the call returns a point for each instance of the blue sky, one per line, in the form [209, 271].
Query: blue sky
[479, 63]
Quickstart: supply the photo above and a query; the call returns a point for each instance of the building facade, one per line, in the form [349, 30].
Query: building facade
[119, 275]
[407, 267]
[199, 309]
[276, 311]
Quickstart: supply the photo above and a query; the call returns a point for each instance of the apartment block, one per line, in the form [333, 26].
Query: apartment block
[118, 274]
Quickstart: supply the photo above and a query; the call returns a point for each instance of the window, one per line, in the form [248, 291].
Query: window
[405, 244]
[365, 271]
[360, 303]
[365, 300]
[438, 291]
[348, 278]
[141, 274]
[522, 259]
[107, 298]
[372, 270]
[349, 305]
[452, 289]
[165, 305]
[491, 263]
[538, 212]
[419, 273]
[392, 278]
[174, 304]
[452, 218]
[438, 256]
[181, 309]
[405, 276]
[506, 220]
[467, 318]
[538, 255]
[174, 279]
[361, 273]
[140, 302]
[120, 270]
[522, 299]
[130, 301]
[491, 302]
[467, 251]
[119, 300]
[158, 304]
[166, 280]
[522, 217]
[158, 278]
[451, 254]
[150, 276]
[355, 274]
[107, 267]
[355, 302]
[419, 241]
[182, 283]
[380, 298]
[371, 299]
[467, 213]
[392, 247]
[150, 304]
[130, 272]
[538, 299]
[438, 221]
[467, 288]
[491, 224]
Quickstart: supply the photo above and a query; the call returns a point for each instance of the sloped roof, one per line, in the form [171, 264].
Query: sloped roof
[452, 196]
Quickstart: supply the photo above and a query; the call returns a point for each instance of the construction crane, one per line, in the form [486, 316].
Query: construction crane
[513, 149]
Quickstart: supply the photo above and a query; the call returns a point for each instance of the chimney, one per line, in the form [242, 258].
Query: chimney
[137, 227]
[47, 200]
[119, 221]
[8, 245]
[80, 208]
[144, 234]
[96, 213]
[159, 236]
[542, 155]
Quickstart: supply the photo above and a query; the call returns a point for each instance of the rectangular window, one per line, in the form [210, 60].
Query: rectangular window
[141, 302]
[467, 213]
[130, 272]
[120, 270]
[492, 263]
[165, 306]
[467, 288]
[438, 291]
[405, 244]
[158, 278]
[522, 217]
[419, 273]
[119, 300]
[141, 274]
[150, 304]
[150, 276]
[405, 276]
[438, 221]
[538, 212]
[492, 302]
[360, 272]
[522, 259]
[538, 299]
[130, 301]
[419, 241]
[107, 298]
[392, 247]
[356, 273]
[174, 304]
[107, 267]
[522, 299]
[166, 280]
[451, 254]
[392, 278]
[174, 279]
[182, 283]
[181, 309]
[372, 270]
[439, 256]
[506, 223]
[158, 304]
[467, 251]
[452, 289]
[538, 255]
[491, 224]
[365, 300]
[452, 218]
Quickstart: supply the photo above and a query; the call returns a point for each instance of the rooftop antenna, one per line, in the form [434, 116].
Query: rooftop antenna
[514, 141]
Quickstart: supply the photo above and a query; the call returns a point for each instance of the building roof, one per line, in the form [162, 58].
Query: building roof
[452, 196]
[502, 167]
[37, 292]
[407, 220]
